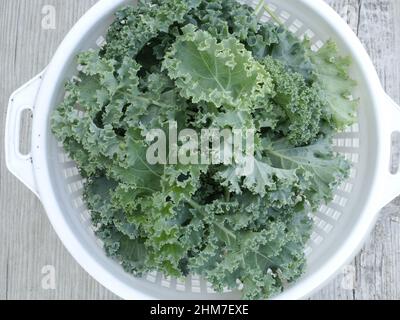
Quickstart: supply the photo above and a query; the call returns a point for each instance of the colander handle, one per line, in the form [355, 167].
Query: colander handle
[389, 187]
[20, 165]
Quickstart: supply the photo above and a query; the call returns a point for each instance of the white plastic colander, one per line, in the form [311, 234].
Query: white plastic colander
[340, 227]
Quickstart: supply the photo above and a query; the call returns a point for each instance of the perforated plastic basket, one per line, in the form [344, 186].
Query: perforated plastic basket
[340, 227]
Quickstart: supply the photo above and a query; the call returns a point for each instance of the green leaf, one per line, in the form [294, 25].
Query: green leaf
[223, 18]
[301, 104]
[260, 179]
[260, 260]
[223, 73]
[332, 75]
[135, 26]
[323, 169]
[293, 53]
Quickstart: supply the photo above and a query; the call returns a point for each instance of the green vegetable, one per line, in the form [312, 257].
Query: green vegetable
[331, 74]
[224, 74]
[207, 64]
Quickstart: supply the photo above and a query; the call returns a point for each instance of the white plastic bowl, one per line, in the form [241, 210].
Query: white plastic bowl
[340, 228]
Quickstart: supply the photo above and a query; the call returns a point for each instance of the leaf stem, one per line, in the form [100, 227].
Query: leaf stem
[273, 15]
[227, 194]
[259, 6]
[159, 104]
[194, 204]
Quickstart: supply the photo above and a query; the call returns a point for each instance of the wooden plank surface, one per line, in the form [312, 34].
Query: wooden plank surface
[27, 242]
[29, 248]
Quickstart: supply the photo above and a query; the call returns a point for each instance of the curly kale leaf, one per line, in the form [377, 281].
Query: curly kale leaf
[135, 26]
[260, 260]
[224, 18]
[332, 75]
[301, 103]
[293, 53]
[261, 42]
[277, 42]
[320, 170]
[325, 69]
[223, 73]
[262, 178]
[287, 174]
